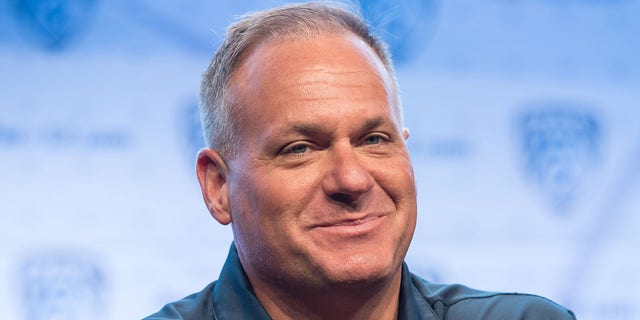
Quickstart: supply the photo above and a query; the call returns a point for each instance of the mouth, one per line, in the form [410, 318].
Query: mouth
[348, 222]
[351, 227]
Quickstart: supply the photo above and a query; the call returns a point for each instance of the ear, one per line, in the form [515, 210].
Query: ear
[405, 133]
[212, 174]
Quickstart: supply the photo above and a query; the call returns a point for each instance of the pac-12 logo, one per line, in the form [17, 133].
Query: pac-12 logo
[405, 25]
[61, 285]
[560, 143]
[53, 23]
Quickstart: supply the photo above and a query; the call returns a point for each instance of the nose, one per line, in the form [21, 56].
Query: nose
[346, 179]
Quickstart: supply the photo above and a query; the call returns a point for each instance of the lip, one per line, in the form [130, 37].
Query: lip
[351, 227]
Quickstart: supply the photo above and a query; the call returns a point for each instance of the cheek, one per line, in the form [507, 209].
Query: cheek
[245, 206]
[398, 182]
[264, 204]
[288, 191]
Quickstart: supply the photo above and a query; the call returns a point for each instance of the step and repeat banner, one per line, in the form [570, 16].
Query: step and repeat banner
[525, 137]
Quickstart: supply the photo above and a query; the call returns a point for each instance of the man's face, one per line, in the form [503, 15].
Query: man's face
[322, 190]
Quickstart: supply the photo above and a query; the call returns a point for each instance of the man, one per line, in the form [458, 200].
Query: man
[308, 163]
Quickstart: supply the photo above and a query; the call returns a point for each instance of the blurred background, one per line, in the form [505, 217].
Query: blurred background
[524, 134]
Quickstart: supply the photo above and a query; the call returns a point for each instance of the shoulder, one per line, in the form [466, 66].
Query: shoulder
[461, 302]
[195, 306]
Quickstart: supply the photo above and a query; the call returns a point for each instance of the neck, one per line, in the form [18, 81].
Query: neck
[379, 300]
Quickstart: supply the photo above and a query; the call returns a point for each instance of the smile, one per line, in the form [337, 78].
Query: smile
[354, 222]
[352, 227]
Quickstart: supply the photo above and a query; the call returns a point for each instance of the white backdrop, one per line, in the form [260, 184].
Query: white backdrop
[524, 135]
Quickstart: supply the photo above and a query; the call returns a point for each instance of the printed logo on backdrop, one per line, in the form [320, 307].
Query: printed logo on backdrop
[61, 285]
[560, 143]
[446, 148]
[61, 129]
[11, 136]
[53, 24]
[405, 25]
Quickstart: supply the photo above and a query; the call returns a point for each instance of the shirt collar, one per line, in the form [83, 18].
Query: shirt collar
[233, 296]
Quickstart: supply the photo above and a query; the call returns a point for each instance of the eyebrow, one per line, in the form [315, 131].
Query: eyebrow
[373, 123]
[306, 129]
[312, 129]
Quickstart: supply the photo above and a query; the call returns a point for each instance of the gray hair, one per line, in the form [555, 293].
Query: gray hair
[289, 22]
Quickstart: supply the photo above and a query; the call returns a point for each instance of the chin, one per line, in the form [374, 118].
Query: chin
[363, 269]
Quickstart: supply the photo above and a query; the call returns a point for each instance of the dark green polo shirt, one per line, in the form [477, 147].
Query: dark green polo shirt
[231, 297]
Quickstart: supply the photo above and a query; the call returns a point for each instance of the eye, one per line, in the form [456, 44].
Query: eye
[374, 139]
[301, 148]
[296, 148]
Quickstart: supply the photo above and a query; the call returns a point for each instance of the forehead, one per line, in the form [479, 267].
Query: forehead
[272, 69]
[314, 49]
